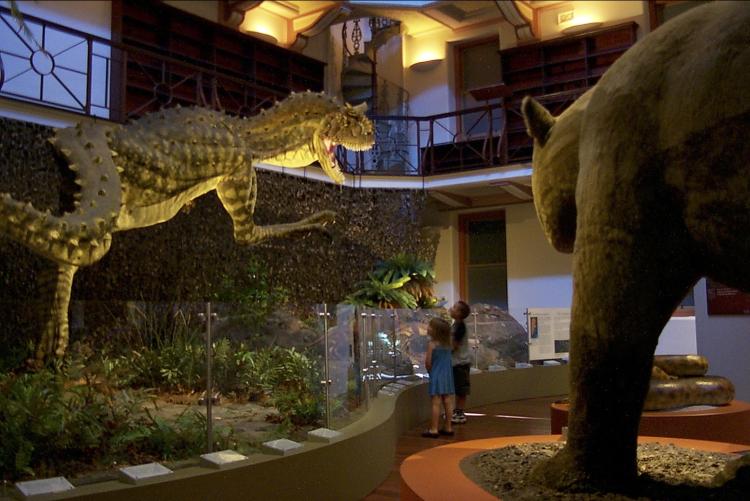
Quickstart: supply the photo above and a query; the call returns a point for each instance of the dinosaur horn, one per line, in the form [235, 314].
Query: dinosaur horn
[81, 237]
[538, 120]
[362, 108]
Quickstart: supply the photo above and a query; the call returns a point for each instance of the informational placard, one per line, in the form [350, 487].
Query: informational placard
[723, 300]
[549, 333]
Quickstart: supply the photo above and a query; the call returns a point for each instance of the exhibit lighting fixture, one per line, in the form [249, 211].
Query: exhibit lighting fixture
[423, 53]
[572, 23]
[263, 25]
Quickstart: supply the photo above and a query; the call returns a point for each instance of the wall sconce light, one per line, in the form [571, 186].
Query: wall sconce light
[571, 23]
[580, 28]
[266, 37]
[425, 65]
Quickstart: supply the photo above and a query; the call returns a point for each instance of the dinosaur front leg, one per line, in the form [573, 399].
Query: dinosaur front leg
[238, 195]
[55, 286]
[625, 289]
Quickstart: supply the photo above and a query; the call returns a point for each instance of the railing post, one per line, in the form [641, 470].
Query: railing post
[89, 49]
[432, 146]
[420, 166]
[491, 137]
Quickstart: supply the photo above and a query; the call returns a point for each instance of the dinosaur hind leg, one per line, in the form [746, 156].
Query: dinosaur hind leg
[55, 285]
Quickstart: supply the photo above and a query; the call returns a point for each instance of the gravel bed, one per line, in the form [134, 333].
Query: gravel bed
[667, 472]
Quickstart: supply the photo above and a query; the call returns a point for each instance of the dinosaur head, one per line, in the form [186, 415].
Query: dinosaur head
[348, 127]
[306, 128]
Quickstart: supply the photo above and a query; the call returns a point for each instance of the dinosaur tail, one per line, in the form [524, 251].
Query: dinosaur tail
[81, 237]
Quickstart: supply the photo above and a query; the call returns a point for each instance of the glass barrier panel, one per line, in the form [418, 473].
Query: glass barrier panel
[497, 340]
[346, 399]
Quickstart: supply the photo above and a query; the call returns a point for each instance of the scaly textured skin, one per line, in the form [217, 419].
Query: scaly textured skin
[680, 380]
[647, 182]
[143, 173]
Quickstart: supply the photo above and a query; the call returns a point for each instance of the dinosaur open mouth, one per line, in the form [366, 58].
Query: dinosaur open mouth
[328, 162]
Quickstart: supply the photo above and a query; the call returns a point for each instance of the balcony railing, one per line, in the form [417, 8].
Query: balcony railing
[79, 72]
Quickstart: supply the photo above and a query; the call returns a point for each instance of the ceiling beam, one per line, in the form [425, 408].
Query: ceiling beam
[451, 199]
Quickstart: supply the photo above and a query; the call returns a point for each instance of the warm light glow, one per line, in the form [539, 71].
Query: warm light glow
[427, 55]
[423, 53]
[579, 23]
[264, 25]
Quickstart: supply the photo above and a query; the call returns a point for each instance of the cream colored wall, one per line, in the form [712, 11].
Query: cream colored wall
[607, 12]
[538, 276]
[432, 91]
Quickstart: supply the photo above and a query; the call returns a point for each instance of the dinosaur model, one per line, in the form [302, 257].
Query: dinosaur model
[143, 173]
[646, 179]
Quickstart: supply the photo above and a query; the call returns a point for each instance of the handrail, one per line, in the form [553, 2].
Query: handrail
[407, 145]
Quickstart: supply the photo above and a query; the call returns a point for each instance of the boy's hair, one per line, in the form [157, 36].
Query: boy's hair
[441, 331]
[463, 309]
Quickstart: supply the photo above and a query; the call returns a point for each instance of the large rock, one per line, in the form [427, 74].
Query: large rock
[501, 339]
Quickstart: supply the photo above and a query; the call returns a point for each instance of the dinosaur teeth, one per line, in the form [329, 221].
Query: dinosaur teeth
[66, 152]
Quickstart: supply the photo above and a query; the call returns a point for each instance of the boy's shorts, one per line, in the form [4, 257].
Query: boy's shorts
[461, 379]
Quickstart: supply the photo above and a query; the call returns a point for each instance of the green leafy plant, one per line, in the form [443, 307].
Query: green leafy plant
[404, 281]
[252, 291]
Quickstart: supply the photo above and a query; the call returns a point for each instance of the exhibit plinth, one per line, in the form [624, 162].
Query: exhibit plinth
[726, 423]
[435, 474]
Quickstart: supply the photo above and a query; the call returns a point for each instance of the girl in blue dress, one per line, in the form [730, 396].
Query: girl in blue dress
[438, 363]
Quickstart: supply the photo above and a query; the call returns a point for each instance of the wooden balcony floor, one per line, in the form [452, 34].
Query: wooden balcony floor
[518, 417]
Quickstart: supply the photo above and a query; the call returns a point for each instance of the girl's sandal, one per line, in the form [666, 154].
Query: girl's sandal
[446, 433]
[429, 434]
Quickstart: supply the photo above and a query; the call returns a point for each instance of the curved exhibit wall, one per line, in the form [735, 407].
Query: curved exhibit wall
[349, 468]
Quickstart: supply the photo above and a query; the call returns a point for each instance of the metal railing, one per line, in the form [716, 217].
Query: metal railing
[75, 71]
[86, 74]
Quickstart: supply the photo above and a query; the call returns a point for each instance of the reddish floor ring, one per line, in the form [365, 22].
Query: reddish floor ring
[435, 474]
[726, 423]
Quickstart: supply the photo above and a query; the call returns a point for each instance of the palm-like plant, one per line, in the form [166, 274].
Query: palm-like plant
[403, 281]
[420, 273]
[383, 292]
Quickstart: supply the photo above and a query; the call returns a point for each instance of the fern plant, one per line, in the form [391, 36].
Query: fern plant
[404, 281]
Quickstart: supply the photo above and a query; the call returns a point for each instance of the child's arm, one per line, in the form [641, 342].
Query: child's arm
[428, 358]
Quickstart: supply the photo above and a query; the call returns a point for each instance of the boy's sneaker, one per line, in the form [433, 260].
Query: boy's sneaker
[458, 417]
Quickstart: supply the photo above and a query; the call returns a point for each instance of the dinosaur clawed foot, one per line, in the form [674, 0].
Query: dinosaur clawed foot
[321, 218]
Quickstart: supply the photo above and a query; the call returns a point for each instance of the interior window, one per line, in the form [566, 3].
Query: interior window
[484, 268]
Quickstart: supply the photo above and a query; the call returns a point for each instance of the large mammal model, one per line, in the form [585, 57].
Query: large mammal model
[646, 179]
[143, 173]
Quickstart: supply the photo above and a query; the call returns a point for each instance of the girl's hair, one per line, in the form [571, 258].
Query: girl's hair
[440, 331]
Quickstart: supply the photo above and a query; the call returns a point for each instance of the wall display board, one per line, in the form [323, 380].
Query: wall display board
[723, 300]
[549, 333]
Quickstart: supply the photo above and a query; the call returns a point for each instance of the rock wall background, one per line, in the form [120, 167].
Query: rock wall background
[186, 258]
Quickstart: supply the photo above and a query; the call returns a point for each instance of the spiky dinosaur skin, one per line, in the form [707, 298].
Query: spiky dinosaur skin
[143, 173]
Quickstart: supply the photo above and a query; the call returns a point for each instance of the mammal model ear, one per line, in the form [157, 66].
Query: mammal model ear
[538, 120]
